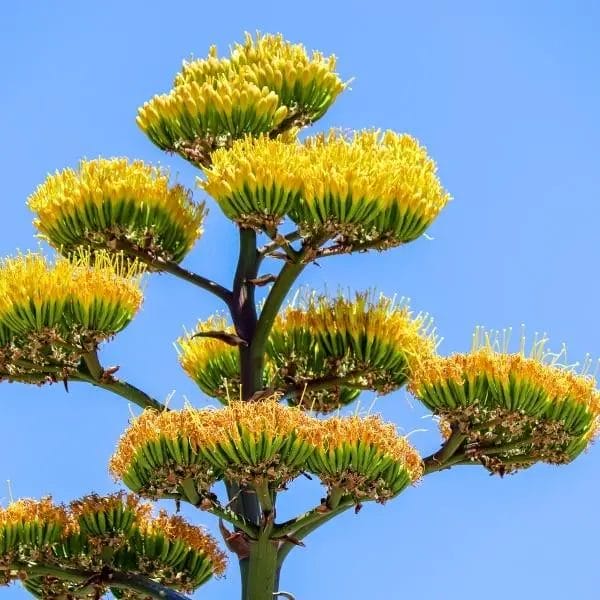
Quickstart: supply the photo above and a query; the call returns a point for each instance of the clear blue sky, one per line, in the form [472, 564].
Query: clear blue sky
[505, 95]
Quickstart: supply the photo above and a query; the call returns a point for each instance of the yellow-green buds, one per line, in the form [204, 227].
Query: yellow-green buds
[211, 362]
[512, 409]
[108, 202]
[330, 349]
[267, 85]
[185, 452]
[363, 457]
[51, 313]
[96, 533]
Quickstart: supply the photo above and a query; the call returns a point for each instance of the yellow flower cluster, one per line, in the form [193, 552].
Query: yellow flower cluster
[363, 342]
[174, 529]
[114, 199]
[166, 549]
[32, 522]
[224, 438]
[350, 435]
[210, 362]
[258, 442]
[511, 372]
[256, 182]
[369, 188]
[263, 83]
[100, 295]
[530, 404]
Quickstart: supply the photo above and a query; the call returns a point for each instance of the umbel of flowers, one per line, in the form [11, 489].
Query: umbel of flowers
[51, 313]
[101, 542]
[120, 204]
[369, 187]
[283, 375]
[510, 410]
[266, 85]
[262, 446]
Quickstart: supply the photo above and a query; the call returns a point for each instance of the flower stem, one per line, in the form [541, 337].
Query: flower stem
[260, 583]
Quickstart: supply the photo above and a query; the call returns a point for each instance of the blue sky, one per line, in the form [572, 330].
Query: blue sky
[505, 96]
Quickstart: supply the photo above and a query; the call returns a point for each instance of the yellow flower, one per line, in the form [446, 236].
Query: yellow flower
[30, 525]
[369, 188]
[257, 182]
[266, 85]
[199, 544]
[115, 532]
[108, 515]
[365, 342]
[364, 457]
[114, 199]
[372, 188]
[529, 404]
[210, 362]
[55, 311]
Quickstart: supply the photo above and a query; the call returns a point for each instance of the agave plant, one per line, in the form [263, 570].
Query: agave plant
[281, 375]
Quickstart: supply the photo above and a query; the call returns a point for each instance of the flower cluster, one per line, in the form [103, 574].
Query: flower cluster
[100, 534]
[513, 409]
[266, 85]
[212, 364]
[364, 457]
[347, 345]
[183, 453]
[51, 313]
[367, 189]
[107, 202]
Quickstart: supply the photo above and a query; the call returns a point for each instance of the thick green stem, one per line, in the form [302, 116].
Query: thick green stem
[440, 460]
[279, 291]
[262, 570]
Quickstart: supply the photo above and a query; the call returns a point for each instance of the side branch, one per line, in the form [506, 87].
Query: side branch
[90, 371]
[444, 457]
[127, 581]
[321, 384]
[159, 264]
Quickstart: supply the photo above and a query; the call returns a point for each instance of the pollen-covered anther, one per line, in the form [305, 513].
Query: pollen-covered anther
[328, 349]
[185, 452]
[107, 202]
[265, 85]
[364, 457]
[52, 313]
[513, 409]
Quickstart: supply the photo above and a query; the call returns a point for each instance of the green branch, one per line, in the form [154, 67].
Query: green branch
[310, 523]
[442, 458]
[279, 241]
[115, 579]
[91, 371]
